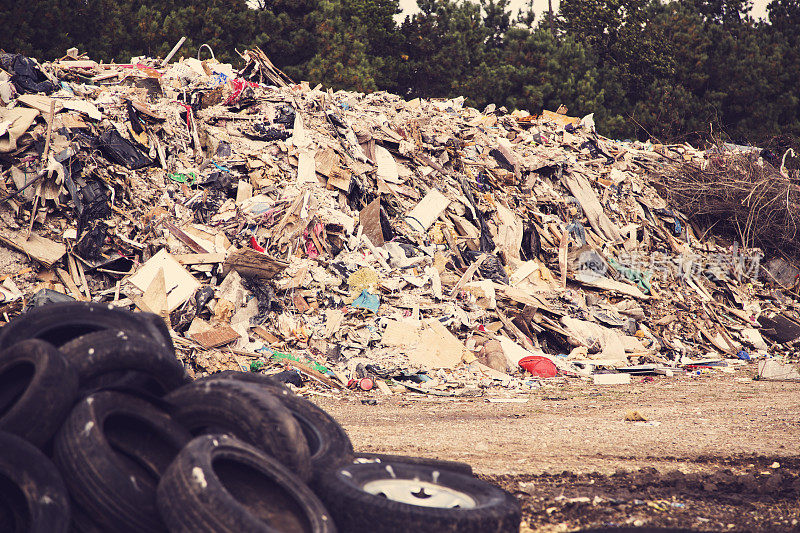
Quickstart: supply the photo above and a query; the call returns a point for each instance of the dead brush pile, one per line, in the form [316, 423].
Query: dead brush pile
[736, 194]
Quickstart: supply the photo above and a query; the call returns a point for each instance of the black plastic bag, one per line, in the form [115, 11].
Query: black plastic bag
[531, 245]
[120, 150]
[491, 268]
[26, 75]
[265, 132]
[90, 245]
[285, 116]
[91, 202]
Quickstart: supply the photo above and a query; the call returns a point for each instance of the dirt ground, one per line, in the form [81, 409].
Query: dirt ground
[716, 452]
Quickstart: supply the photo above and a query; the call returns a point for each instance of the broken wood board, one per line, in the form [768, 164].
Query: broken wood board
[265, 334]
[774, 370]
[468, 274]
[179, 284]
[580, 188]
[69, 283]
[524, 297]
[401, 332]
[216, 337]
[253, 264]
[40, 249]
[184, 238]
[200, 259]
[310, 372]
[387, 166]
[328, 164]
[557, 118]
[779, 327]
[370, 220]
[509, 234]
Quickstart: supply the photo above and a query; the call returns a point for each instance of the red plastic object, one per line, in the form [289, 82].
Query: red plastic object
[254, 245]
[539, 366]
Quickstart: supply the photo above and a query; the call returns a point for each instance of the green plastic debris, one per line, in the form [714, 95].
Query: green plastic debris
[183, 178]
[255, 366]
[641, 279]
[279, 356]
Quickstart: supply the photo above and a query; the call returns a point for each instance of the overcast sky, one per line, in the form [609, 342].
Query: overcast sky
[409, 6]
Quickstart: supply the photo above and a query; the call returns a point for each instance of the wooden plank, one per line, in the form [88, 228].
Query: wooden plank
[580, 188]
[514, 330]
[40, 249]
[200, 259]
[184, 238]
[468, 274]
[265, 334]
[305, 369]
[213, 338]
[66, 279]
[250, 263]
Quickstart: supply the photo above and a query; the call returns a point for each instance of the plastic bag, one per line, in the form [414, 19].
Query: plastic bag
[120, 150]
[26, 75]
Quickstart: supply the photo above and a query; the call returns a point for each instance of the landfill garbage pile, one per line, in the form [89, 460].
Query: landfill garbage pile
[362, 242]
[102, 429]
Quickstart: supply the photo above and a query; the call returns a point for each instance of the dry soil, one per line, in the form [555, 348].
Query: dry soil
[716, 452]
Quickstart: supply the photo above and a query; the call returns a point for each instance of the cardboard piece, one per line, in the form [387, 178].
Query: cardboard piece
[15, 122]
[179, 284]
[387, 166]
[427, 211]
[436, 347]
[155, 297]
[306, 168]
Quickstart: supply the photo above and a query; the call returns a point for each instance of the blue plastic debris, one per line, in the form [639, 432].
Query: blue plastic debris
[368, 301]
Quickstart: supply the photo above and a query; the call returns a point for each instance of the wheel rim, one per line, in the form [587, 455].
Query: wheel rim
[422, 493]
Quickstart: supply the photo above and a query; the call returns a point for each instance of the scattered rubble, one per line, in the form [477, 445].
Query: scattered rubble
[361, 239]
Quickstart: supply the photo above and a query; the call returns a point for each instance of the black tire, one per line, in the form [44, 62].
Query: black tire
[59, 323]
[219, 484]
[246, 411]
[484, 508]
[250, 377]
[112, 354]
[644, 529]
[37, 390]
[81, 522]
[453, 466]
[327, 440]
[33, 497]
[112, 451]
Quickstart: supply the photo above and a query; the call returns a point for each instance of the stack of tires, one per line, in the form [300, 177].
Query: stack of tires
[102, 430]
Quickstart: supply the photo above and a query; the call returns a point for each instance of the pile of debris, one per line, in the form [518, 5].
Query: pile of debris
[363, 240]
